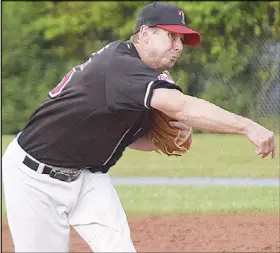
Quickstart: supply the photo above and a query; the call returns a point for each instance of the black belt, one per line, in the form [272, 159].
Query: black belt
[60, 175]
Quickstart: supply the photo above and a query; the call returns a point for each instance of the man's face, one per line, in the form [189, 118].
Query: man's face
[164, 47]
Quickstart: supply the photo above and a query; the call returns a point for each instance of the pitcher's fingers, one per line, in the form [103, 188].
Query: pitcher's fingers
[265, 155]
[179, 125]
[267, 147]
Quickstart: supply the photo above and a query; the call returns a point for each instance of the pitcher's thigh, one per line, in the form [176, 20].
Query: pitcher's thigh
[38, 234]
[33, 220]
[100, 219]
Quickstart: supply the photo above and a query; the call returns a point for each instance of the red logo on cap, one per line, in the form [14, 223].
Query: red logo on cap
[181, 13]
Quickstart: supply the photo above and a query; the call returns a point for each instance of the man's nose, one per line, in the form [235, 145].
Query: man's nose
[178, 45]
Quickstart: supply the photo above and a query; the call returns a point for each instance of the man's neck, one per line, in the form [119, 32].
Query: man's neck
[145, 57]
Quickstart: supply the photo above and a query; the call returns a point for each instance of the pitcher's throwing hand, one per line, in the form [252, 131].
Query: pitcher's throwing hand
[263, 139]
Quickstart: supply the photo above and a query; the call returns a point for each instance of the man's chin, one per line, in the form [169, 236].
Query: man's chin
[170, 65]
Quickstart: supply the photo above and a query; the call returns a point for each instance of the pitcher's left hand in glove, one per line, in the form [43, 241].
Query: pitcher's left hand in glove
[168, 136]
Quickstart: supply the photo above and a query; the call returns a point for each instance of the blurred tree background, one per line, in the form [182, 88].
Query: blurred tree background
[237, 65]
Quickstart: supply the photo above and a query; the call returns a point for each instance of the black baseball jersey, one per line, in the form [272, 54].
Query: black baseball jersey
[97, 110]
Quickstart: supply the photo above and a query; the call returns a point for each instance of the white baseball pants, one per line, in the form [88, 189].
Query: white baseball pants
[41, 209]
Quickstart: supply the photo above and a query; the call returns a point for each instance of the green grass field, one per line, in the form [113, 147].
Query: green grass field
[150, 200]
[211, 155]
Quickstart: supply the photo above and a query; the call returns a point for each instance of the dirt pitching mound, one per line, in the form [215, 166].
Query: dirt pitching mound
[191, 234]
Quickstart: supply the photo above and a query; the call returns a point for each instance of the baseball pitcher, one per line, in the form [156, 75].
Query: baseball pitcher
[55, 172]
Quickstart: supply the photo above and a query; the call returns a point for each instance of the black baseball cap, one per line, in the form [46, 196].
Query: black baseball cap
[168, 17]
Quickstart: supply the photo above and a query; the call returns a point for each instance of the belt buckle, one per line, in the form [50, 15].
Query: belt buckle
[60, 176]
[63, 176]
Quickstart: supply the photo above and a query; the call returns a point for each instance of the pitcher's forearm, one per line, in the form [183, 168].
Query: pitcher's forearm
[206, 116]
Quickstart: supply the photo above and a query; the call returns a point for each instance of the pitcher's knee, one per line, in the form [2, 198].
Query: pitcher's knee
[113, 241]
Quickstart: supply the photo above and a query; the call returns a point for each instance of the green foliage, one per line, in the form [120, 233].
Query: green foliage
[29, 71]
[223, 97]
[43, 40]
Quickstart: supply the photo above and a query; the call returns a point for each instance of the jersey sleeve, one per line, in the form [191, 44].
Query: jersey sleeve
[130, 83]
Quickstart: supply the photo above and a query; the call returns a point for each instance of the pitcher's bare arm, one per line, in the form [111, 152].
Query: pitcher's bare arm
[205, 116]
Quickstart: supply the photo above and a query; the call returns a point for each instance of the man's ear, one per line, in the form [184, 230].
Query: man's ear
[144, 32]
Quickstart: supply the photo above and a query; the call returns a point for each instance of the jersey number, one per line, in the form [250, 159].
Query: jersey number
[58, 89]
